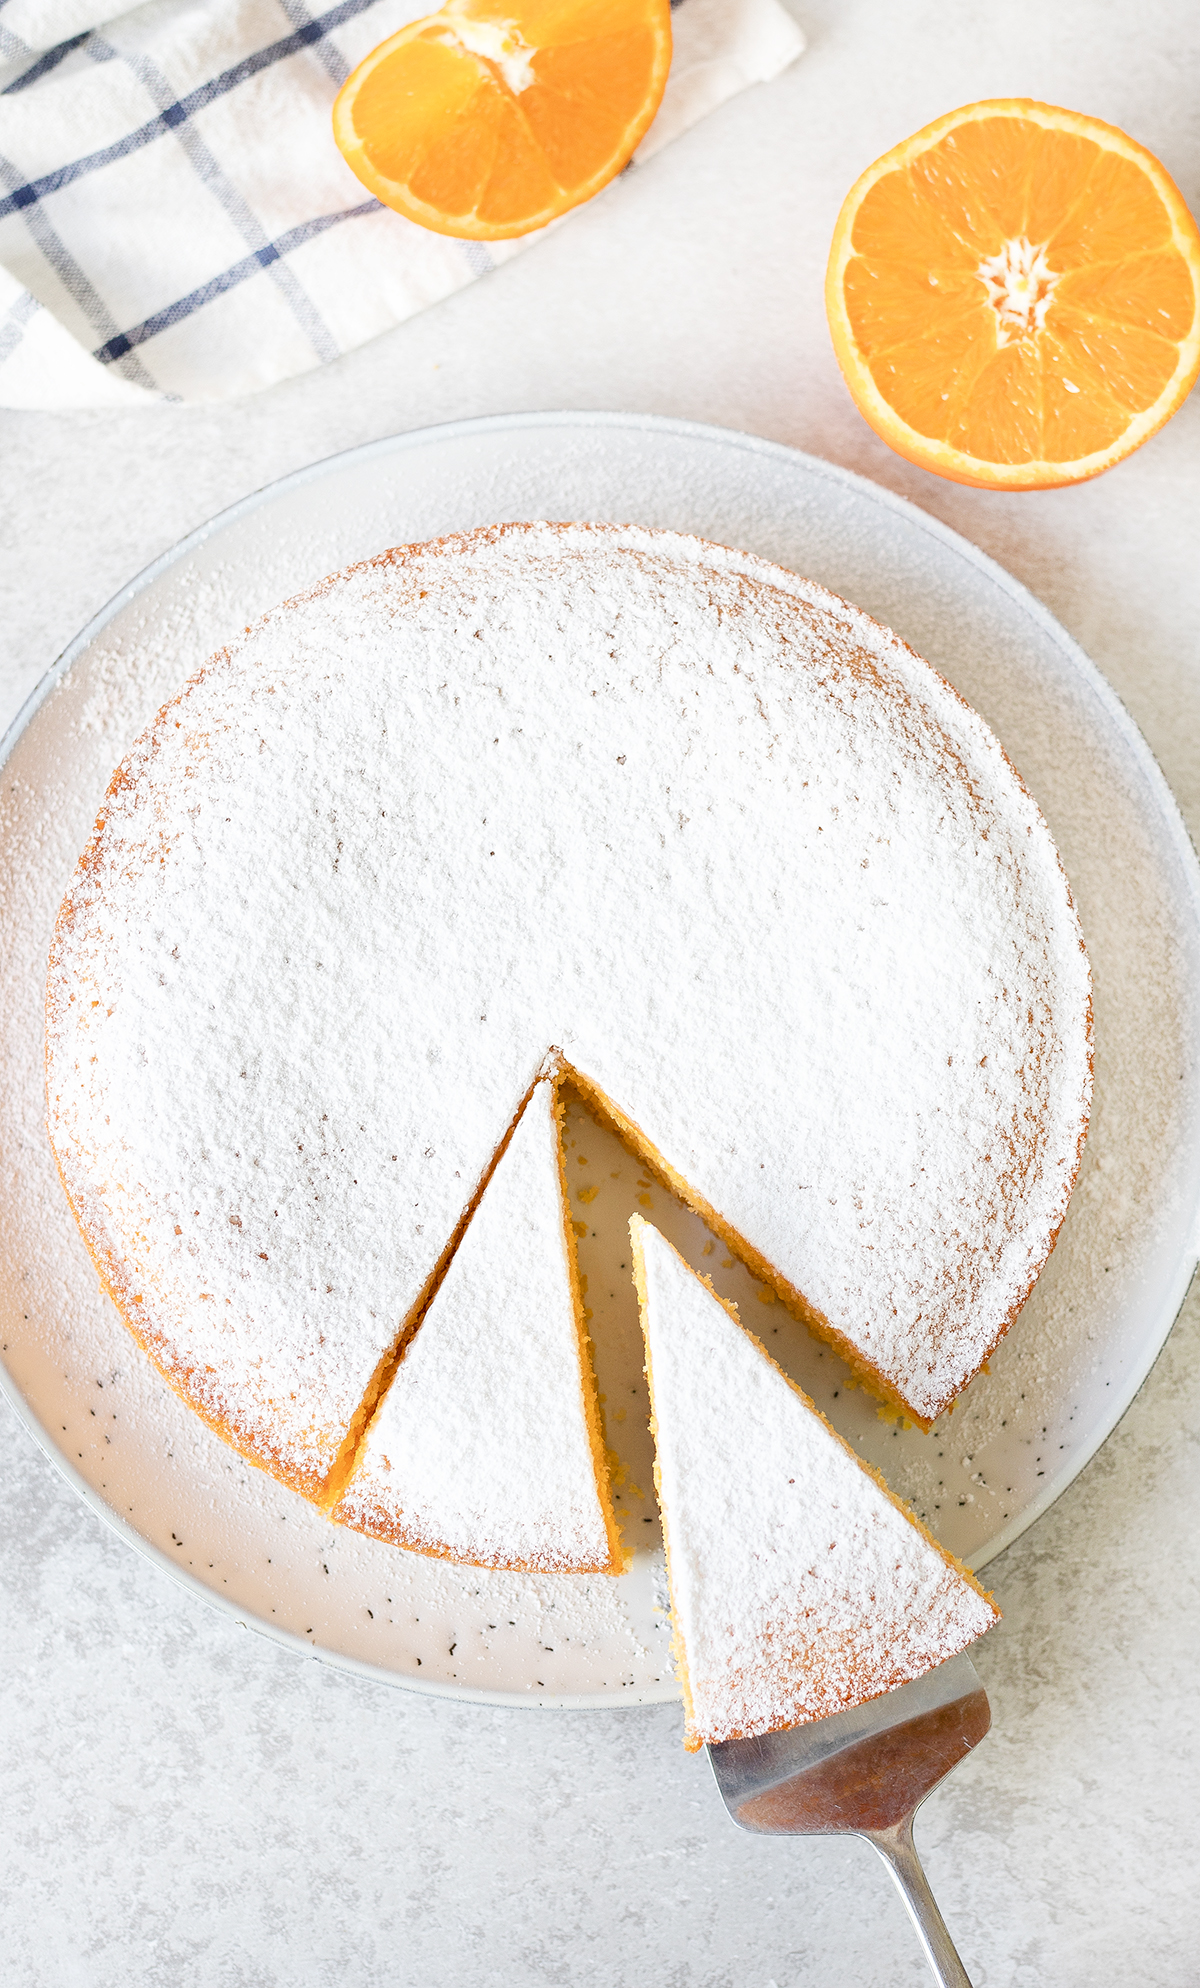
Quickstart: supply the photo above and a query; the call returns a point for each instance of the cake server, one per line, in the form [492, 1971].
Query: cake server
[865, 1773]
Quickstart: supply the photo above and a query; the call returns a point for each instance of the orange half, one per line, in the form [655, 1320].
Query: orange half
[1014, 296]
[488, 121]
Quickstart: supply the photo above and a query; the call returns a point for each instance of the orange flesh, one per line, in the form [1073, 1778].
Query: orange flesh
[486, 122]
[1016, 291]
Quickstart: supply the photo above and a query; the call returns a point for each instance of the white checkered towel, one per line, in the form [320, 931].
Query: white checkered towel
[175, 219]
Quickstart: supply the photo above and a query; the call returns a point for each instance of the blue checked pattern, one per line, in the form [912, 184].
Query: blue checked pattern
[175, 220]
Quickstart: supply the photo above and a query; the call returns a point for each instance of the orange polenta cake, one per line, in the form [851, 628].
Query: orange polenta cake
[547, 800]
[486, 1445]
[799, 1585]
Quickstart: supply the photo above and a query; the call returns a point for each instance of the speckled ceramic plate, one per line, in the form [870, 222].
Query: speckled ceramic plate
[1102, 1308]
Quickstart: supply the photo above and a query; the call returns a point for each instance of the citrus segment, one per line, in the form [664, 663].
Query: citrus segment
[1014, 296]
[486, 122]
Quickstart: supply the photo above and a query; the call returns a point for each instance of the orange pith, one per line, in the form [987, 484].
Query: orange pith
[1014, 296]
[487, 120]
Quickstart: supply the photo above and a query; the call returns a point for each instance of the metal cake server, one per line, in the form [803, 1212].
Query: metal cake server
[865, 1773]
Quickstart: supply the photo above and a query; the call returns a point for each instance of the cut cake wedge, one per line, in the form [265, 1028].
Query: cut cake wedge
[486, 1448]
[799, 1585]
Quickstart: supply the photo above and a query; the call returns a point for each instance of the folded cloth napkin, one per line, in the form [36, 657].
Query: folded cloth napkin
[175, 219]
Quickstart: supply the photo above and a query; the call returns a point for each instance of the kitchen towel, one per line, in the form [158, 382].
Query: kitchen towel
[175, 220]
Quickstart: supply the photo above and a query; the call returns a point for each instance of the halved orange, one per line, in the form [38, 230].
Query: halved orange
[489, 120]
[1014, 296]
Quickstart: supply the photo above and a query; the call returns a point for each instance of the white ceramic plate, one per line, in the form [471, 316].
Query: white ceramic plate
[1102, 1308]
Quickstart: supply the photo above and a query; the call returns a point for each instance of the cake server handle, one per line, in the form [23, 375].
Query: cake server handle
[899, 1853]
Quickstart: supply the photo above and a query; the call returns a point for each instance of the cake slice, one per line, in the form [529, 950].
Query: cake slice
[486, 1448]
[799, 1585]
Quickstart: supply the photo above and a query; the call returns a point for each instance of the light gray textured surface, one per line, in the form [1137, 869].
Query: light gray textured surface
[183, 1802]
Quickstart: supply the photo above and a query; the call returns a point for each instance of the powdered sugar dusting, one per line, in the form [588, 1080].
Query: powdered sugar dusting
[798, 1587]
[741, 856]
[481, 1449]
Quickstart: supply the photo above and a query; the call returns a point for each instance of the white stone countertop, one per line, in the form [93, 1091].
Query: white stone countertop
[187, 1805]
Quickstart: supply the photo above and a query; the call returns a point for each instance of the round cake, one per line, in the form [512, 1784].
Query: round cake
[562, 800]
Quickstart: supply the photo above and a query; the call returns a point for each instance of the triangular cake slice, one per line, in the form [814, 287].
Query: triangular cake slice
[799, 1585]
[487, 1447]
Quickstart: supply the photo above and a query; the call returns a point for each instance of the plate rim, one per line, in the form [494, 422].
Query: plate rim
[712, 434]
